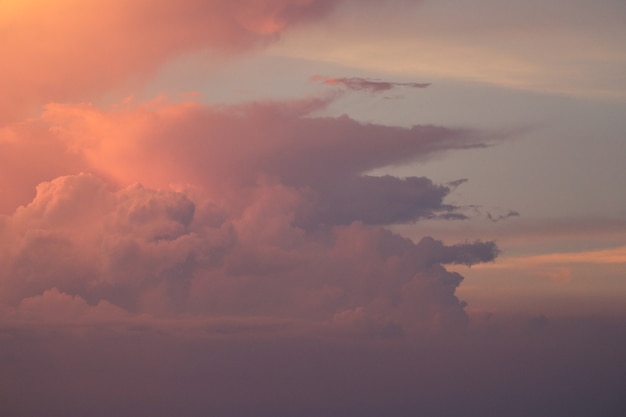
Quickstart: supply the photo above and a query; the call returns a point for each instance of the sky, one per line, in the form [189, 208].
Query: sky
[312, 207]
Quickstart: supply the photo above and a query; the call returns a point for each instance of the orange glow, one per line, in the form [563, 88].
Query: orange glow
[602, 256]
[64, 50]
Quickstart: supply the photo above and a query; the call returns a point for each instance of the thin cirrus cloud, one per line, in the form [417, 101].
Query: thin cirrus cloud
[528, 46]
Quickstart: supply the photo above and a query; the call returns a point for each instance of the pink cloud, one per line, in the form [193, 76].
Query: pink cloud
[267, 257]
[166, 252]
[69, 49]
[189, 259]
[30, 154]
[160, 143]
[57, 307]
[227, 147]
[258, 209]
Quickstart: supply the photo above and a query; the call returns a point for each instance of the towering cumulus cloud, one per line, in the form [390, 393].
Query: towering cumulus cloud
[247, 210]
[185, 257]
[161, 208]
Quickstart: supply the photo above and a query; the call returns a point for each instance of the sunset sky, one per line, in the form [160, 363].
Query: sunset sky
[312, 208]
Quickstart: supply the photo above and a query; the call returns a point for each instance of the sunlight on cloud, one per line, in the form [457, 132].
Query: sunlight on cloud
[265, 257]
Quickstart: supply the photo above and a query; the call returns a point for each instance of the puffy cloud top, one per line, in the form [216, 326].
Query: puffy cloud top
[258, 209]
[166, 252]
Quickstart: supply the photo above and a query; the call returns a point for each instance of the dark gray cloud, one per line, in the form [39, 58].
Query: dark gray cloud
[379, 201]
[497, 218]
[463, 253]
[364, 84]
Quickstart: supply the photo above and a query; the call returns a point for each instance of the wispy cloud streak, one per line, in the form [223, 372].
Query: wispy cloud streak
[364, 84]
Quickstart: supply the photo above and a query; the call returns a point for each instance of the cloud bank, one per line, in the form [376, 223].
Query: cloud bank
[260, 209]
